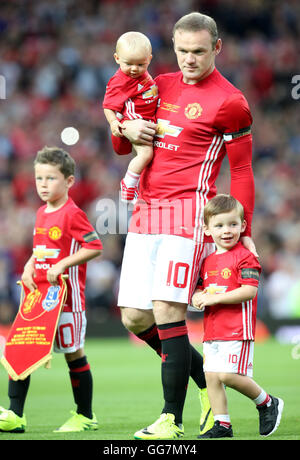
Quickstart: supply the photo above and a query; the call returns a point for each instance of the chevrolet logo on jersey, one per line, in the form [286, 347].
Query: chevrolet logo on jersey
[152, 92]
[213, 288]
[165, 129]
[41, 253]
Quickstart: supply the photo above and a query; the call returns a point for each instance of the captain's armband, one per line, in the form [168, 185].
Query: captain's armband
[242, 132]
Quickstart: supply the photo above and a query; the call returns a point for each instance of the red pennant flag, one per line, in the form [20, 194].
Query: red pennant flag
[30, 340]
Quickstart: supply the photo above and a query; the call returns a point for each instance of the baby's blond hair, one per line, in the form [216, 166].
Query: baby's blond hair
[133, 41]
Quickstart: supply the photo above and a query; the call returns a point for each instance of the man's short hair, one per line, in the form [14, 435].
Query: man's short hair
[221, 204]
[58, 157]
[193, 22]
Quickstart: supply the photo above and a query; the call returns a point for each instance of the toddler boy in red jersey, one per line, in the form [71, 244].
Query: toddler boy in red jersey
[131, 94]
[63, 242]
[228, 295]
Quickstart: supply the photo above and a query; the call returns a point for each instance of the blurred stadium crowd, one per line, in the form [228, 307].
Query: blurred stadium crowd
[57, 56]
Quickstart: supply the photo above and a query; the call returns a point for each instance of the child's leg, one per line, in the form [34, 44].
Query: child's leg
[81, 381]
[144, 154]
[216, 393]
[217, 398]
[17, 392]
[245, 385]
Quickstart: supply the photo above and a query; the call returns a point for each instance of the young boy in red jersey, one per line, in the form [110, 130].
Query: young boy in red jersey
[228, 295]
[63, 242]
[130, 94]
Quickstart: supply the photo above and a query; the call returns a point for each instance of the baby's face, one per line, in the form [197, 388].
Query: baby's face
[133, 64]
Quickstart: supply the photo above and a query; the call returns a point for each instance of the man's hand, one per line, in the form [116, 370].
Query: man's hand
[139, 131]
[249, 244]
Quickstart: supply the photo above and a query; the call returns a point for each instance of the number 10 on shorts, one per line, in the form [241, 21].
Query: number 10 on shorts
[177, 274]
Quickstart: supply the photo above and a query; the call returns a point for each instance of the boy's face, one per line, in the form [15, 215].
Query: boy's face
[225, 229]
[52, 186]
[133, 65]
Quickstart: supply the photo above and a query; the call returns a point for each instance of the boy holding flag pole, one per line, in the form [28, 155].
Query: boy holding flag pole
[64, 241]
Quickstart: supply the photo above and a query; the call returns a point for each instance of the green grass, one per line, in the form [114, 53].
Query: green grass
[128, 394]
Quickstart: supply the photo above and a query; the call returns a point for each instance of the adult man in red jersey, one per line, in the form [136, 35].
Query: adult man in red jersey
[201, 117]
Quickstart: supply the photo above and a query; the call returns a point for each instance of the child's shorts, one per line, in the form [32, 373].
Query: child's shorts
[229, 356]
[70, 335]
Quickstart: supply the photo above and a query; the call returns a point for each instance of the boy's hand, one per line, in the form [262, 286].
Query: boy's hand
[202, 299]
[196, 299]
[54, 272]
[27, 278]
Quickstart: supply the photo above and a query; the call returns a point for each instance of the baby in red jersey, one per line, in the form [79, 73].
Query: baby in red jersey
[130, 94]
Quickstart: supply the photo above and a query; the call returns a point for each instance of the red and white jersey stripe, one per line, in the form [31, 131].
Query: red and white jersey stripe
[247, 311]
[130, 111]
[244, 357]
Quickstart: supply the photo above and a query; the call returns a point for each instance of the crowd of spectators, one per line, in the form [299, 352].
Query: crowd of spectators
[57, 56]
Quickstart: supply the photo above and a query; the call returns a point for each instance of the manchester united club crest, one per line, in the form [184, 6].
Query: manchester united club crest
[226, 273]
[55, 233]
[193, 111]
[30, 302]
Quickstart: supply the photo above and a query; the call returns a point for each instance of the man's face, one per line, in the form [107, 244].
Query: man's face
[195, 54]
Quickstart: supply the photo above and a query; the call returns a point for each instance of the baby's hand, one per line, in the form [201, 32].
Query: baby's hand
[116, 128]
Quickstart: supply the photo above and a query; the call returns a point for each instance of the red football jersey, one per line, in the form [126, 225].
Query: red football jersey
[132, 97]
[60, 234]
[222, 273]
[197, 126]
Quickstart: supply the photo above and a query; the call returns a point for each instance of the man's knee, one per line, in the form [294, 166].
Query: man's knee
[135, 320]
[169, 312]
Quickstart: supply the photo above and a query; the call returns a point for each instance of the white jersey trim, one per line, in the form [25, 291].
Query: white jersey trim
[203, 185]
[74, 281]
[130, 110]
[247, 320]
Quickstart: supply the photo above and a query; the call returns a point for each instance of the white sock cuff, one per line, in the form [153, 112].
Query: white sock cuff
[131, 179]
[222, 418]
[261, 398]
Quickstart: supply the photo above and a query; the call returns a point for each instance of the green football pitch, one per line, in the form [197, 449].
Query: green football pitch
[128, 394]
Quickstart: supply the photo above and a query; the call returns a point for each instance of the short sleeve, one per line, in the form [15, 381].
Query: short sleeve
[249, 270]
[83, 232]
[234, 117]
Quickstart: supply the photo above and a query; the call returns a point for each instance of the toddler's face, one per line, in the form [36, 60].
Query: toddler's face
[133, 64]
[225, 229]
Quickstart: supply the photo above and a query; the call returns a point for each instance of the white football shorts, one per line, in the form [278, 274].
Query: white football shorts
[70, 334]
[229, 356]
[159, 267]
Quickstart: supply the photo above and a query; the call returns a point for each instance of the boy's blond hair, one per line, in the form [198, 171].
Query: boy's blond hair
[222, 204]
[58, 157]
